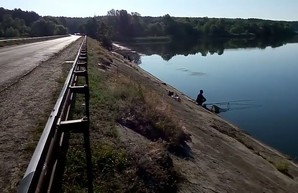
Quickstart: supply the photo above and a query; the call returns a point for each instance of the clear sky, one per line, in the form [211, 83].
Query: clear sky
[264, 9]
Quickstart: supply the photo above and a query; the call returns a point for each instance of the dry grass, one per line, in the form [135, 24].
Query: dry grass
[118, 98]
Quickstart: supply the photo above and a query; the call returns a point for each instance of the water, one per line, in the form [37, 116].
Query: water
[262, 82]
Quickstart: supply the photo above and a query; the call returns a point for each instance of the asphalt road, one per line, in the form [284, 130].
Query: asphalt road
[15, 61]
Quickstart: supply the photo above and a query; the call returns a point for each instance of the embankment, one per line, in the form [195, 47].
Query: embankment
[143, 140]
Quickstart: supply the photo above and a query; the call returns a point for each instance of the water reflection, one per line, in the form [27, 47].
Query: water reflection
[191, 73]
[266, 78]
[167, 50]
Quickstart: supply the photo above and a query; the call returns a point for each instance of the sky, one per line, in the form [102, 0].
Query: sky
[263, 9]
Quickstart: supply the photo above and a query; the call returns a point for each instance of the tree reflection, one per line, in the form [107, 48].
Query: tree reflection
[205, 47]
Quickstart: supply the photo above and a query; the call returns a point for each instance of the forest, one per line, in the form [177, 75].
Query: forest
[123, 26]
[18, 23]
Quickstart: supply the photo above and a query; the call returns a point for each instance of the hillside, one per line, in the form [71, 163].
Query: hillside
[146, 141]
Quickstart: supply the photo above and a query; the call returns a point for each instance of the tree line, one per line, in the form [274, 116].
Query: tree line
[121, 25]
[129, 25]
[18, 23]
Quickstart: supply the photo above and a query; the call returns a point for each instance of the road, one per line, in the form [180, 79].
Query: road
[17, 61]
[26, 105]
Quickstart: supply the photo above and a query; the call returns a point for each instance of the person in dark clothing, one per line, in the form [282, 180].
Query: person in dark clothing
[200, 98]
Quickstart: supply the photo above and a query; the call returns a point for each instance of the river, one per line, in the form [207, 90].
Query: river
[255, 82]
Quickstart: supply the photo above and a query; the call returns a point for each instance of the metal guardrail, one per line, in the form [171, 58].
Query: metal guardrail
[43, 173]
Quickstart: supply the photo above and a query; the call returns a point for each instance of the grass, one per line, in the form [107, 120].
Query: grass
[30, 147]
[119, 99]
[282, 166]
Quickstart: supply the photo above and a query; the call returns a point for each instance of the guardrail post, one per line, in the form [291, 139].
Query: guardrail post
[83, 124]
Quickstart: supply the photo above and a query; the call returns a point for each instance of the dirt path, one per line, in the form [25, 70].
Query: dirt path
[25, 106]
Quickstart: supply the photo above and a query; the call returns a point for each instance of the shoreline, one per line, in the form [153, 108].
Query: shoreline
[240, 135]
[122, 50]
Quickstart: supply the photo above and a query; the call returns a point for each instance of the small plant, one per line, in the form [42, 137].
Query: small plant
[282, 166]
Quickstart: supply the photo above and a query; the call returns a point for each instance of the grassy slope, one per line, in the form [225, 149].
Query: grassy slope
[135, 126]
[117, 99]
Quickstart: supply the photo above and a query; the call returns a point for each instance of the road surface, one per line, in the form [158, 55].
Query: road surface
[16, 61]
[26, 105]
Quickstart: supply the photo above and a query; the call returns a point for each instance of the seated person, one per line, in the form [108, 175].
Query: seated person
[200, 98]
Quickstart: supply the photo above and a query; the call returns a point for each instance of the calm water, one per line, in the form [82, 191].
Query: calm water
[259, 84]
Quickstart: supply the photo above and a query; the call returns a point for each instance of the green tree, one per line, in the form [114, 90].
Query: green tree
[20, 25]
[60, 30]
[104, 35]
[137, 25]
[91, 28]
[124, 23]
[11, 32]
[28, 16]
[1, 30]
[155, 29]
[170, 25]
[7, 21]
[42, 27]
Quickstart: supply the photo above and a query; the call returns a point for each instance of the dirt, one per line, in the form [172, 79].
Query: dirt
[220, 157]
[25, 106]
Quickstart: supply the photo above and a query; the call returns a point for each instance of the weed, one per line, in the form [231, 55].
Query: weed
[281, 165]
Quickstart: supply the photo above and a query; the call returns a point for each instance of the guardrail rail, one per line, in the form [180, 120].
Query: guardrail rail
[44, 171]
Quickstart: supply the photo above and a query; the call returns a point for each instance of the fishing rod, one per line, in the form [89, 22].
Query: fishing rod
[228, 102]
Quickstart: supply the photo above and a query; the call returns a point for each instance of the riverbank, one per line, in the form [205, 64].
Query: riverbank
[146, 141]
